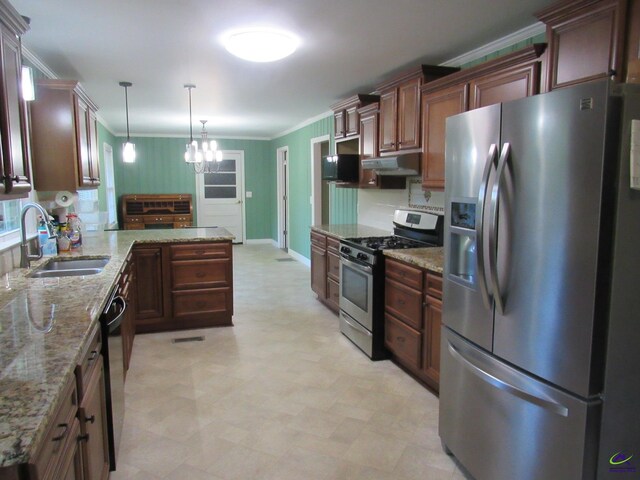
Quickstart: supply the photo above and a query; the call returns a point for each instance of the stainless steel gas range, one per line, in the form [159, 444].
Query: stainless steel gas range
[362, 276]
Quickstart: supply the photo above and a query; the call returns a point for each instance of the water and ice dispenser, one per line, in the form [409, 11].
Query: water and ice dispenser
[462, 242]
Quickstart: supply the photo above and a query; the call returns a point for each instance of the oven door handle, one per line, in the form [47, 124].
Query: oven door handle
[359, 328]
[357, 266]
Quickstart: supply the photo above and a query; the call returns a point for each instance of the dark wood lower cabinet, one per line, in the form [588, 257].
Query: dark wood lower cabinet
[413, 319]
[93, 427]
[325, 269]
[183, 285]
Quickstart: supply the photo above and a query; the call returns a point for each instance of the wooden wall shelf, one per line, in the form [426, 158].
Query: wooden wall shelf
[141, 212]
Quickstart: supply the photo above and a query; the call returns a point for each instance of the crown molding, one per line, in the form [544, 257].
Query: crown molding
[492, 47]
[305, 123]
[39, 64]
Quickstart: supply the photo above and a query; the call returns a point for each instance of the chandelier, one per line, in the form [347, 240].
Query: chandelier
[203, 158]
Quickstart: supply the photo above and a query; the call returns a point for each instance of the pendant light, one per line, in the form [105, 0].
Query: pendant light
[204, 158]
[128, 148]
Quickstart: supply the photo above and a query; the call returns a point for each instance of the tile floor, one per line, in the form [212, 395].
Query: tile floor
[281, 395]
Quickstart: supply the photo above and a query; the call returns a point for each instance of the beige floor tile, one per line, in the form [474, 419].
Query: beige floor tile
[377, 450]
[280, 395]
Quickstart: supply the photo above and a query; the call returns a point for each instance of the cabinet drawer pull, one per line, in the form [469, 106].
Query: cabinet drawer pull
[400, 302]
[93, 356]
[90, 419]
[400, 339]
[83, 438]
[64, 427]
[201, 274]
[199, 252]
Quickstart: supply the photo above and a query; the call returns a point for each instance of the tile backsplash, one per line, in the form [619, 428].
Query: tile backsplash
[376, 207]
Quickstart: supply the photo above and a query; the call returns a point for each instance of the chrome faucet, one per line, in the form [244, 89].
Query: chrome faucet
[25, 256]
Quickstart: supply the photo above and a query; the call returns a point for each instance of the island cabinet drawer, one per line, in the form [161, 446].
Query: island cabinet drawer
[88, 361]
[410, 276]
[333, 244]
[433, 284]
[197, 251]
[213, 273]
[403, 341]
[202, 303]
[404, 303]
[319, 239]
[59, 435]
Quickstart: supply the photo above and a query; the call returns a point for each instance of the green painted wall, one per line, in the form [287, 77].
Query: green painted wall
[105, 136]
[160, 168]
[343, 201]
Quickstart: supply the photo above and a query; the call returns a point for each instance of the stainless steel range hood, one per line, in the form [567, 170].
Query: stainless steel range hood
[403, 164]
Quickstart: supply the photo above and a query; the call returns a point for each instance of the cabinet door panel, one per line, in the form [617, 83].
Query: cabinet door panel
[93, 427]
[368, 147]
[333, 294]
[319, 271]
[94, 163]
[409, 115]
[388, 121]
[436, 108]
[333, 266]
[201, 303]
[431, 339]
[505, 86]
[82, 138]
[148, 265]
[338, 124]
[352, 125]
[14, 151]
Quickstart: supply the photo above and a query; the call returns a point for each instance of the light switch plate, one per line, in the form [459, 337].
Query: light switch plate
[249, 194]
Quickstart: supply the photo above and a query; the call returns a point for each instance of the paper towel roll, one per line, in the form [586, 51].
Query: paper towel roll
[64, 198]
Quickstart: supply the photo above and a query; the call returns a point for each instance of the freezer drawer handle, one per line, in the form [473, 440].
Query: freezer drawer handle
[507, 387]
[482, 194]
[493, 229]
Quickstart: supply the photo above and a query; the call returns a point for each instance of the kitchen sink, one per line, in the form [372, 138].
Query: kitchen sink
[70, 267]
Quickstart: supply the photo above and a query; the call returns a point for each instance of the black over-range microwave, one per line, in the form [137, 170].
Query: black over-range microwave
[341, 168]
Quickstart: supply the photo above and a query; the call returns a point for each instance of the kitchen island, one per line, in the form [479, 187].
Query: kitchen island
[45, 324]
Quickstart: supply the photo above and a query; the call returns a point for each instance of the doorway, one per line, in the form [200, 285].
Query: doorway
[319, 188]
[220, 195]
[282, 155]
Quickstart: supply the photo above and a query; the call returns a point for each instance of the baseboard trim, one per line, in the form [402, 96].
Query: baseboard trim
[261, 241]
[300, 258]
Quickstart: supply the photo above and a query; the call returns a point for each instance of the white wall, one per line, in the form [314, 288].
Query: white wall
[376, 207]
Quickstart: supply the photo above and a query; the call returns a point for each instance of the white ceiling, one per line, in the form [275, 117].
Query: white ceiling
[348, 46]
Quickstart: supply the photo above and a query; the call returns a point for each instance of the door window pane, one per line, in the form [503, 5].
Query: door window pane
[219, 192]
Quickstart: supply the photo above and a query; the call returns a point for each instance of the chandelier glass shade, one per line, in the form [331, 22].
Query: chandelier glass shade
[204, 157]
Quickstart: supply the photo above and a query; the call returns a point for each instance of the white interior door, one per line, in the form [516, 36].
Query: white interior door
[283, 197]
[220, 195]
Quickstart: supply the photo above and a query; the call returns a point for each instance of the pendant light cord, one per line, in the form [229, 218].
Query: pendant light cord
[189, 87]
[126, 103]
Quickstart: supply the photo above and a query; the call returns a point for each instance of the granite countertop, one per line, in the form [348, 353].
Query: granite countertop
[430, 258]
[44, 322]
[350, 230]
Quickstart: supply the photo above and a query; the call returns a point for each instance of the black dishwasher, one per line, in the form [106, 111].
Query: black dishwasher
[112, 352]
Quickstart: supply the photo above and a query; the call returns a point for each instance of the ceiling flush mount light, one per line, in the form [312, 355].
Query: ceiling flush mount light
[261, 45]
[128, 148]
[204, 158]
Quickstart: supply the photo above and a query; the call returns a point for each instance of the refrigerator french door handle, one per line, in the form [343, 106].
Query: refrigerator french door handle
[549, 405]
[493, 228]
[482, 194]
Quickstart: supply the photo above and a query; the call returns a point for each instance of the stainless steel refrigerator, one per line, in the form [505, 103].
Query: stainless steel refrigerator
[540, 366]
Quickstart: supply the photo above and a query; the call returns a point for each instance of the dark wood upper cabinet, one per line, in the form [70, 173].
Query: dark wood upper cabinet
[345, 114]
[368, 143]
[399, 128]
[65, 137]
[437, 106]
[586, 41]
[14, 168]
[510, 77]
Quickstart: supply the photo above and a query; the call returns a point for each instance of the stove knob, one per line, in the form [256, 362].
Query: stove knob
[362, 256]
[345, 250]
